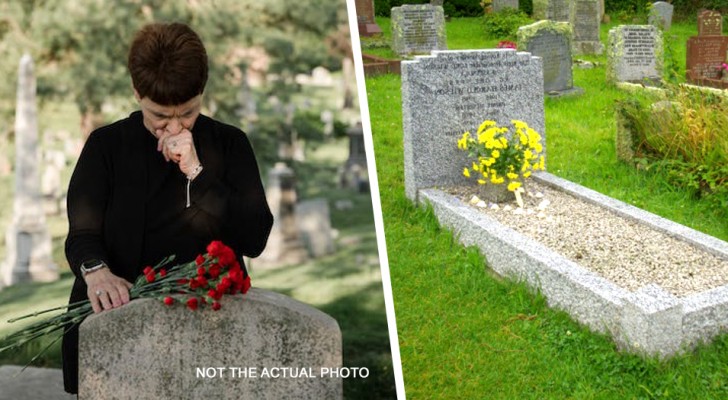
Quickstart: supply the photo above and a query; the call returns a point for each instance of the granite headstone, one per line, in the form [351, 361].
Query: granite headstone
[450, 92]
[552, 42]
[584, 18]
[634, 54]
[365, 18]
[553, 10]
[262, 345]
[314, 226]
[661, 15]
[418, 29]
[705, 54]
[710, 23]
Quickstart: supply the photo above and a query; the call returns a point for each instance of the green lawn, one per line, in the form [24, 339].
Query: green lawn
[465, 333]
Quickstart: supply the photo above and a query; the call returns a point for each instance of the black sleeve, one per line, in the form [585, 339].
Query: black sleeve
[88, 193]
[237, 200]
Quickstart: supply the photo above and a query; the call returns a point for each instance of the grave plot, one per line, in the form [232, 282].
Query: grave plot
[675, 300]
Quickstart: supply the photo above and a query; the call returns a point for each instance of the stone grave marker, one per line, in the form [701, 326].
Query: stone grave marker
[262, 345]
[584, 18]
[354, 173]
[553, 10]
[704, 55]
[27, 240]
[499, 5]
[314, 226]
[365, 18]
[710, 23]
[418, 28]
[552, 42]
[634, 54]
[661, 15]
[284, 243]
[450, 92]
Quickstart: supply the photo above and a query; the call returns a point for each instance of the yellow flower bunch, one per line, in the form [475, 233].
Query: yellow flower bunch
[503, 153]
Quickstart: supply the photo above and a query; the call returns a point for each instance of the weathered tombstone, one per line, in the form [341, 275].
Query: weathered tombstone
[418, 28]
[710, 23]
[584, 18]
[450, 92]
[262, 345]
[552, 42]
[314, 225]
[499, 5]
[354, 173]
[704, 55]
[27, 240]
[284, 243]
[634, 54]
[437, 2]
[661, 15]
[553, 10]
[365, 18]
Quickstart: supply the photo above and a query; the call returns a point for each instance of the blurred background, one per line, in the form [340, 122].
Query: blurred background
[283, 73]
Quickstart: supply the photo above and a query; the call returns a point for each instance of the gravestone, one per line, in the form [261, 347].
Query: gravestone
[634, 54]
[314, 225]
[661, 15]
[418, 28]
[710, 23]
[584, 18]
[284, 243]
[499, 5]
[354, 173]
[450, 92]
[552, 42]
[704, 55]
[436, 2]
[553, 10]
[27, 240]
[262, 345]
[365, 18]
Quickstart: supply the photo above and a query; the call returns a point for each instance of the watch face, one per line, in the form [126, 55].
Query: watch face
[90, 263]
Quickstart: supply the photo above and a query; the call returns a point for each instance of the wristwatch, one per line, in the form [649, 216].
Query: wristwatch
[91, 266]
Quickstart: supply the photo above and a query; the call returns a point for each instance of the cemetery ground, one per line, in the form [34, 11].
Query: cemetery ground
[346, 284]
[465, 332]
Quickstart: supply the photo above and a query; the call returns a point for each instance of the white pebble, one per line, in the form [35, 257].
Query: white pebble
[474, 200]
[507, 207]
[481, 204]
[518, 211]
[539, 195]
[530, 211]
[494, 206]
[543, 204]
[541, 215]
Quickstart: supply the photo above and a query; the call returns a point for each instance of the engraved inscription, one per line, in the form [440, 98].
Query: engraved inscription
[419, 30]
[556, 54]
[710, 23]
[639, 47]
[586, 21]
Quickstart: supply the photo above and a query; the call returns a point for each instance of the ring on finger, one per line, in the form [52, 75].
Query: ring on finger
[99, 293]
[174, 144]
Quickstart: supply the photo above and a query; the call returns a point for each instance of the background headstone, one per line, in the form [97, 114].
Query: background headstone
[553, 10]
[418, 28]
[584, 18]
[314, 226]
[354, 174]
[284, 243]
[634, 54]
[146, 350]
[710, 23]
[661, 15]
[365, 18]
[552, 42]
[704, 55]
[451, 92]
[27, 240]
[499, 5]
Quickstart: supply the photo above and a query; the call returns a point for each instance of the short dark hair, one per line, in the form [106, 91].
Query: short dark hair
[168, 63]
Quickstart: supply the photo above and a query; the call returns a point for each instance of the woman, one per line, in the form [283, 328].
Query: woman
[166, 180]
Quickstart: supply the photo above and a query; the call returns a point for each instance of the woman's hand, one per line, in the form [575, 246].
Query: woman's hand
[106, 290]
[180, 148]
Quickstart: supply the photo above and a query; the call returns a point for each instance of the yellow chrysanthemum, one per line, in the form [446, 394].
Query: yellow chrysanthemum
[527, 155]
[481, 182]
[526, 166]
[519, 124]
[514, 185]
[538, 148]
[476, 167]
[542, 164]
[527, 174]
[495, 154]
[511, 175]
[466, 172]
[485, 124]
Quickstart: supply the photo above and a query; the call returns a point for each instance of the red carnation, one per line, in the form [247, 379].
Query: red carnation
[150, 277]
[194, 284]
[200, 260]
[168, 300]
[224, 254]
[192, 303]
[201, 271]
[213, 294]
[202, 281]
[148, 270]
[246, 284]
[216, 306]
[183, 281]
[214, 271]
[162, 272]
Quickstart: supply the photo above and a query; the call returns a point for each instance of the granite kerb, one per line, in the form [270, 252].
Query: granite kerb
[648, 321]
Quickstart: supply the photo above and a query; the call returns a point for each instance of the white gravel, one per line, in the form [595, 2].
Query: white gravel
[623, 251]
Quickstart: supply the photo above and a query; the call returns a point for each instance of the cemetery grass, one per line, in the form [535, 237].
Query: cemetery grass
[346, 285]
[465, 333]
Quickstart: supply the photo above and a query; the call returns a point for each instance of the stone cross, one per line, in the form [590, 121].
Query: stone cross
[284, 243]
[27, 239]
[634, 54]
[450, 92]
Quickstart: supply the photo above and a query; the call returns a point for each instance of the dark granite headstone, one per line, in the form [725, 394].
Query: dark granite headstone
[552, 42]
[710, 23]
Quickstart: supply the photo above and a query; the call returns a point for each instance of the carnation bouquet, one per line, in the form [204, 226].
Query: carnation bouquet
[199, 283]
